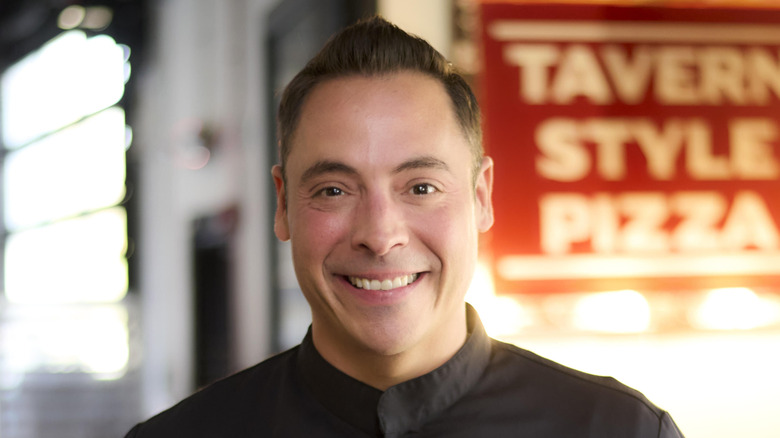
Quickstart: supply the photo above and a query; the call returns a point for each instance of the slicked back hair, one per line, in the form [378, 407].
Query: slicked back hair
[376, 47]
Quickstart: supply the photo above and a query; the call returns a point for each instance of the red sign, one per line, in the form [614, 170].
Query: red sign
[634, 147]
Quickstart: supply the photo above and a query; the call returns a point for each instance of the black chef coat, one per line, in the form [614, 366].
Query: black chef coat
[488, 389]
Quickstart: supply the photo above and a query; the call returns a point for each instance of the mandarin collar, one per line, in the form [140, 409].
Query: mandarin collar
[407, 406]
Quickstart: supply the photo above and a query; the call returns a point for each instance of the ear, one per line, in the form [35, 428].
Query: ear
[484, 195]
[281, 226]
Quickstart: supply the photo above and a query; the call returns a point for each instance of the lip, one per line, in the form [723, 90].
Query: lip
[379, 297]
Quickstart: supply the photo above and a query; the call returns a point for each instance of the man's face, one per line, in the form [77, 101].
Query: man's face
[381, 212]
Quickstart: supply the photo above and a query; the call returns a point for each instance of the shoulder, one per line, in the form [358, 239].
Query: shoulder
[566, 399]
[542, 368]
[216, 406]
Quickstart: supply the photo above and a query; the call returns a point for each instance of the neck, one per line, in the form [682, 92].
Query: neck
[382, 370]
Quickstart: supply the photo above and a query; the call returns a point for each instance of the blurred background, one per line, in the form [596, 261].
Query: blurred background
[637, 196]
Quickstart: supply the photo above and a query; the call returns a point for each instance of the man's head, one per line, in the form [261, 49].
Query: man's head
[383, 204]
[375, 47]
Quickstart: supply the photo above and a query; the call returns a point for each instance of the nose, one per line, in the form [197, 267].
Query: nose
[379, 225]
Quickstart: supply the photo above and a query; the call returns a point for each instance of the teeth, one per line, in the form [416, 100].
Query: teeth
[364, 283]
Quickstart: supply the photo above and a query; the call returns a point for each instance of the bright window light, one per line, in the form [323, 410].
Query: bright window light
[625, 311]
[90, 76]
[61, 339]
[736, 308]
[79, 169]
[65, 268]
[77, 260]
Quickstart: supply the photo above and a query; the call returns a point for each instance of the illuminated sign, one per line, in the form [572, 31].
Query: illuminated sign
[635, 147]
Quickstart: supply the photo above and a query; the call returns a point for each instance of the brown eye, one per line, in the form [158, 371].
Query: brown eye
[423, 189]
[331, 191]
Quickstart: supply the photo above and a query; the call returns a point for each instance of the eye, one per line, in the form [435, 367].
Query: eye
[423, 189]
[330, 192]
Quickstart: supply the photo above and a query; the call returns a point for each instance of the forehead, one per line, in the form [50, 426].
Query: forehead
[374, 118]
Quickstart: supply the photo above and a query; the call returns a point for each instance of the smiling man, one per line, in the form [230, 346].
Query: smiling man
[383, 191]
[378, 198]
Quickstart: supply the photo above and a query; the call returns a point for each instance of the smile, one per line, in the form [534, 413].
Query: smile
[387, 284]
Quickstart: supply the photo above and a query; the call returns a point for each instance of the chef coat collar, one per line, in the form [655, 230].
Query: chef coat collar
[404, 407]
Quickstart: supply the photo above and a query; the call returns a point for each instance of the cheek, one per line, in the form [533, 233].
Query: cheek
[316, 233]
[448, 231]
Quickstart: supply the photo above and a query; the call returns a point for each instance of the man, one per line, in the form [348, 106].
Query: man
[383, 190]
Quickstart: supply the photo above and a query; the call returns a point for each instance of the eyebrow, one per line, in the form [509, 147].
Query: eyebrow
[323, 167]
[327, 166]
[424, 162]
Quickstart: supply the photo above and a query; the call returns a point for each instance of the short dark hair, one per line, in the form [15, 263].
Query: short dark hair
[374, 47]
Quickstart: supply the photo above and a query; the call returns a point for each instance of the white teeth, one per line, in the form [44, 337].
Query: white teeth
[387, 284]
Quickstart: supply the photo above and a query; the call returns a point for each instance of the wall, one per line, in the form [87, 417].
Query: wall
[204, 69]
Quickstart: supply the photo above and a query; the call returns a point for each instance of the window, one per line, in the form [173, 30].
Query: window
[65, 241]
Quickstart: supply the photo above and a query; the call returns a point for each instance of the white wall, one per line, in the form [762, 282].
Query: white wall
[428, 19]
[204, 66]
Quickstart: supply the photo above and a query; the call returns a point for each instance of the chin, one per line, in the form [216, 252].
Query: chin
[387, 341]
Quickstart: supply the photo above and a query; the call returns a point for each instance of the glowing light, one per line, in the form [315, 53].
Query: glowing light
[97, 17]
[501, 315]
[64, 339]
[90, 76]
[78, 169]
[684, 385]
[93, 17]
[578, 266]
[735, 309]
[625, 311]
[105, 351]
[71, 17]
[78, 260]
